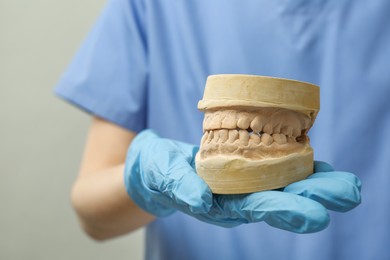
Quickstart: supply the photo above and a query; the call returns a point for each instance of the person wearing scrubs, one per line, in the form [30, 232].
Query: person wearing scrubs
[142, 70]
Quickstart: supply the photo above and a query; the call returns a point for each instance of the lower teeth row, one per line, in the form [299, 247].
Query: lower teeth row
[244, 137]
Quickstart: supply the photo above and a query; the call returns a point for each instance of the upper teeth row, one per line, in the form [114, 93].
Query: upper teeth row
[267, 120]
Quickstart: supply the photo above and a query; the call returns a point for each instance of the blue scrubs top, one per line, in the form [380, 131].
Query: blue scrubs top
[145, 63]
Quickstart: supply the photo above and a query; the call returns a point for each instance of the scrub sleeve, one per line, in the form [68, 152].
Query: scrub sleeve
[108, 76]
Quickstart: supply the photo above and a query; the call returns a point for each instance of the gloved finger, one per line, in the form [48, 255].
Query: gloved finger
[143, 137]
[147, 199]
[320, 166]
[157, 167]
[218, 219]
[171, 174]
[338, 191]
[346, 176]
[195, 150]
[191, 191]
[218, 216]
[279, 209]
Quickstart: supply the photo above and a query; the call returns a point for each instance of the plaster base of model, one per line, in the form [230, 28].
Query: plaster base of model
[235, 175]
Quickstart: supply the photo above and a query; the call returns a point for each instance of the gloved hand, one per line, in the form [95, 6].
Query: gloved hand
[160, 177]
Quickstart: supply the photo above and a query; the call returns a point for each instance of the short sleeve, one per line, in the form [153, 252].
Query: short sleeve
[108, 75]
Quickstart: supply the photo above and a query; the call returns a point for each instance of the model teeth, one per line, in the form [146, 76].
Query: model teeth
[279, 138]
[287, 130]
[214, 122]
[210, 136]
[223, 135]
[276, 129]
[266, 139]
[204, 138]
[229, 122]
[243, 137]
[266, 126]
[291, 139]
[296, 132]
[243, 123]
[233, 135]
[254, 139]
[256, 124]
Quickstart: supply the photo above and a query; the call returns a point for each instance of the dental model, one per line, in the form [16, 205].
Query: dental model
[255, 132]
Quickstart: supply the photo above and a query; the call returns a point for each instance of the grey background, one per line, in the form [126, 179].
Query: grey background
[42, 137]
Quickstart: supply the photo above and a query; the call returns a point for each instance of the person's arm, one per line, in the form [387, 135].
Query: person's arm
[99, 196]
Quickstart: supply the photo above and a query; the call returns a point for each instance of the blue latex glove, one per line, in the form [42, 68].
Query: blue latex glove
[160, 177]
